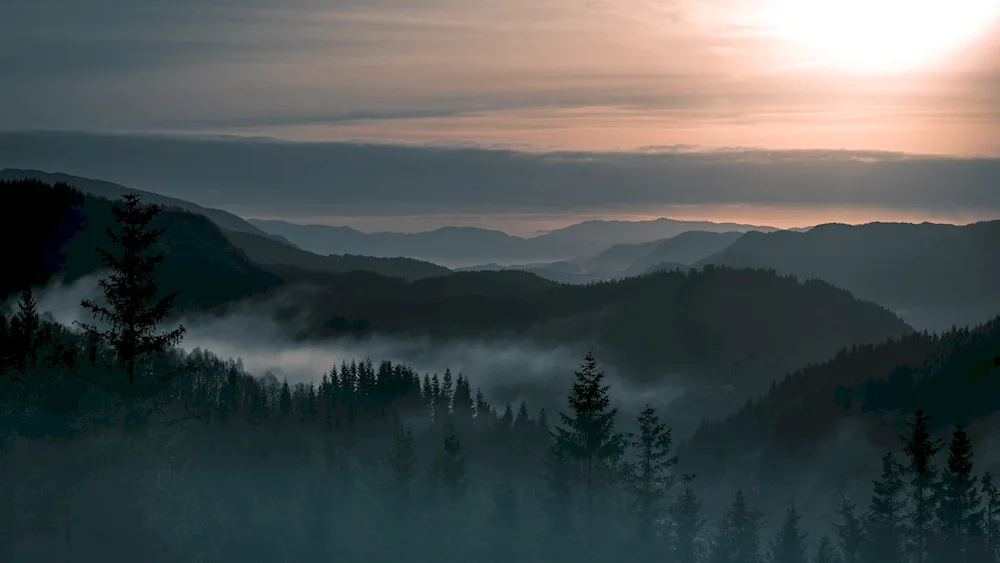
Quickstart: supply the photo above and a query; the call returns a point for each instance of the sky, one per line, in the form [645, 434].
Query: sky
[631, 89]
[597, 75]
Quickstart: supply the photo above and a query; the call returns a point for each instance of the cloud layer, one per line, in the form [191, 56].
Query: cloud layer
[567, 74]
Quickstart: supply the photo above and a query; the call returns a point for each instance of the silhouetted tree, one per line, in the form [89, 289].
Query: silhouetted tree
[885, 518]
[850, 532]
[687, 525]
[133, 310]
[651, 478]
[25, 329]
[921, 449]
[959, 515]
[789, 546]
[738, 540]
[991, 517]
[825, 553]
[587, 438]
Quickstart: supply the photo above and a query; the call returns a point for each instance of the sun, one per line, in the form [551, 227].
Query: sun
[881, 35]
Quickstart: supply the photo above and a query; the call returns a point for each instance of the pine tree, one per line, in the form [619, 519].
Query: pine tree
[452, 470]
[991, 517]
[825, 552]
[884, 522]
[651, 478]
[25, 330]
[789, 546]
[850, 532]
[133, 310]
[588, 439]
[462, 405]
[921, 449]
[739, 534]
[959, 511]
[285, 399]
[403, 466]
[687, 525]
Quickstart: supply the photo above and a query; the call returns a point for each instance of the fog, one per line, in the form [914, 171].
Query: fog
[505, 370]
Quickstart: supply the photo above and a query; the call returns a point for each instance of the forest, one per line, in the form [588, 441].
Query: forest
[119, 446]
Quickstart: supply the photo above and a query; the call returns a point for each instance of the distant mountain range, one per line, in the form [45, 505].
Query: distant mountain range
[465, 246]
[932, 274]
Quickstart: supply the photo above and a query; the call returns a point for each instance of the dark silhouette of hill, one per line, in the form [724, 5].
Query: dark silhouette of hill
[718, 324]
[620, 256]
[685, 248]
[268, 252]
[113, 191]
[789, 432]
[66, 226]
[478, 245]
[946, 271]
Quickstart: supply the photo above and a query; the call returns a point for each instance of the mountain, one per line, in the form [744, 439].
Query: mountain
[619, 257]
[269, 252]
[936, 274]
[685, 248]
[826, 425]
[112, 191]
[68, 225]
[717, 325]
[462, 246]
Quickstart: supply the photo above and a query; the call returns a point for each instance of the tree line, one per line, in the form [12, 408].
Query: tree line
[117, 445]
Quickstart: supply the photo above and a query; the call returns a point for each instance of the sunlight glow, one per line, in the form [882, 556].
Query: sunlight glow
[882, 35]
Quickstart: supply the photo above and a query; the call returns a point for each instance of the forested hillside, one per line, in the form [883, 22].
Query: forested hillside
[115, 446]
[68, 225]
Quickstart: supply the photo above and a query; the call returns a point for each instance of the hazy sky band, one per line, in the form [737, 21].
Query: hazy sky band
[557, 74]
[338, 181]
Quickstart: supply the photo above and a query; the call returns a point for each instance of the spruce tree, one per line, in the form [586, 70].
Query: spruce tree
[959, 514]
[403, 466]
[452, 469]
[738, 540]
[25, 330]
[687, 525]
[850, 532]
[587, 438]
[825, 553]
[651, 477]
[885, 518]
[921, 448]
[991, 517]
[789, 545]
[133, 308]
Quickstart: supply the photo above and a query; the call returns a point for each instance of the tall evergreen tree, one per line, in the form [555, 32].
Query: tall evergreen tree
[133, 308]
[403, 466]
[687, 525]
[921, 448]
[850, 532]
[651, 477]
[739, 535]
[991, 517]
[825, 553]
[789, 546]
[587, 437]
[25, 331]
[958, 511]
[452, 469]
[885, 518]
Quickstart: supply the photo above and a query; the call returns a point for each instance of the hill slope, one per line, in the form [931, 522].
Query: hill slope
[67, 225]
[113, 191]
[716, 324]
[685, 248]
[939, 274]
[269, 252]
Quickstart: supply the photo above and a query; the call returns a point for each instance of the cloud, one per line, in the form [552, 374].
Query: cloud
[561, 73]
[287, 178]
